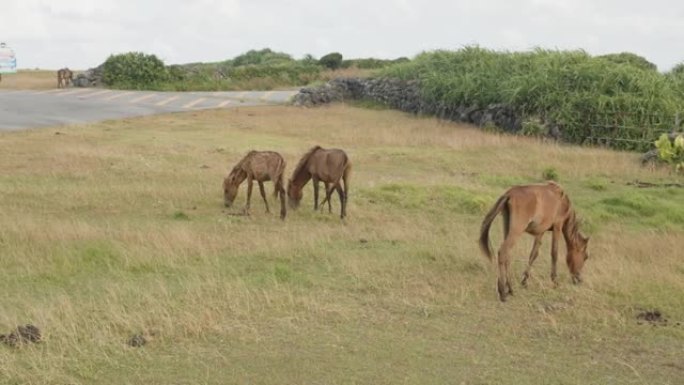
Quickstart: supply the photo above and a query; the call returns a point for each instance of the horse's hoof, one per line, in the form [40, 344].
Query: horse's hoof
[523, 282]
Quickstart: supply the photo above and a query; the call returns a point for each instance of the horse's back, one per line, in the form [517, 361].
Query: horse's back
[541, 204]
[265, 164]
[329, 164]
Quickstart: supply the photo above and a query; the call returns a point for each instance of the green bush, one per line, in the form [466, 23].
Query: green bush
[550, 173]
[332, 60]
[590, 97]
[671, 152]
[261, 57]
[134, 70]
[630, 59]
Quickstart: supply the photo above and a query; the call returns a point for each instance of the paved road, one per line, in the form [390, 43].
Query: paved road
[21, 109]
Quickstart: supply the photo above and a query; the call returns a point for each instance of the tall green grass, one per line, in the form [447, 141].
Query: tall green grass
[614, 97]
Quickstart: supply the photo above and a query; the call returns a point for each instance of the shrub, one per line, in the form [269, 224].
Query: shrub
[587, 96]
[259, 57]
[332, 60]
[671, 151]
[134, 70]
[550, 173]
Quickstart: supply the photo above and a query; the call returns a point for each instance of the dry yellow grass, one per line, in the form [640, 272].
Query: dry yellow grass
[29, 80]
[117, 228]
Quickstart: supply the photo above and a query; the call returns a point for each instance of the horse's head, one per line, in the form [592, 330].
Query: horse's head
[230, 190]
[577, 255]
[294, 194]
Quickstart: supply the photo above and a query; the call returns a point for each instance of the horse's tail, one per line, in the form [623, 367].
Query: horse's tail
[279, 186]
[487, 223]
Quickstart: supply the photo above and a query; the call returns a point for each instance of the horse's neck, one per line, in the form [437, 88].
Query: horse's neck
[301, 178]
[238, 176]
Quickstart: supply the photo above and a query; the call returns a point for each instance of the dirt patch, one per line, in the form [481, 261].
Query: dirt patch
[21, 335]
[654, 317]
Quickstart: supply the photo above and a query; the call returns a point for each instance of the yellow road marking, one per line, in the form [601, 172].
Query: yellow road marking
[224, 103]
[118, 95]
[194, 103]
[140, 99]
[167, 101]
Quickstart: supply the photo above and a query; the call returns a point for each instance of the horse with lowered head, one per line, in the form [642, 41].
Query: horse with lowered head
[261, 166]
[535, 209]
[330, 166]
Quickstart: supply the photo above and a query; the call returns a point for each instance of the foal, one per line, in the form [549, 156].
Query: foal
[261, 166]
[535, 209]
[330, 166]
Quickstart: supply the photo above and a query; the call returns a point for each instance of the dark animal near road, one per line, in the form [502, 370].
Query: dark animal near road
[64, 77]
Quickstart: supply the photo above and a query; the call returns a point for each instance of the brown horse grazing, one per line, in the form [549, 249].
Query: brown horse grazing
[64, 77]
[261, 166]
[330, 166]
[535, 209]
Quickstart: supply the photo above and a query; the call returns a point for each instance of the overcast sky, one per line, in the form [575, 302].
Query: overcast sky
[82, 33]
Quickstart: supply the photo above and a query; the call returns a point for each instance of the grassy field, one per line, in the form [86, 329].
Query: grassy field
[29, 80]
[118, 228]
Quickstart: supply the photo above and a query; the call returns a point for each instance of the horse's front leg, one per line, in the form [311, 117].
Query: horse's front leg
[249, 193]
[315, 180]
[554, 253]
[263, 195]
[343, 203]
[328, 195]
[533, 256]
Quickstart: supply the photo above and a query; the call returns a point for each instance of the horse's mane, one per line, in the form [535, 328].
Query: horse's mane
[571, 227]
[304, 160]
[237, 170]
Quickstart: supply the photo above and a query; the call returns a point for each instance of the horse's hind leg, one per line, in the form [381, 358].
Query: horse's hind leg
[327, 187]
[504, 262]
[343, 205]
[554, 252]
[263, 195]
[328, 194]
[533, 255]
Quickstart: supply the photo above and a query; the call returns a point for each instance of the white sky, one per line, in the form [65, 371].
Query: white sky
[82, 33]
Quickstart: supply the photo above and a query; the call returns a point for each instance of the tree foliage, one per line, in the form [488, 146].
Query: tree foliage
[332, 60]
[261, 57]
[134, 70]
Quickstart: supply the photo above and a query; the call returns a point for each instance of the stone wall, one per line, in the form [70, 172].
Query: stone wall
[90, 78]
[406, 96]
